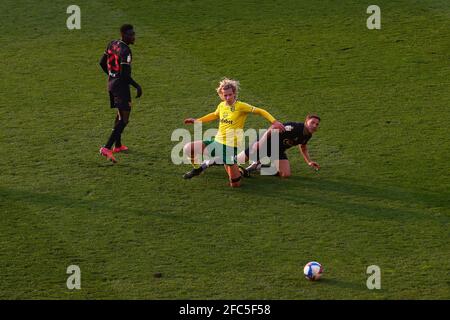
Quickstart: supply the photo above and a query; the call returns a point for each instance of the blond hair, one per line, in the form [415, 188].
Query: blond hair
[226, 84]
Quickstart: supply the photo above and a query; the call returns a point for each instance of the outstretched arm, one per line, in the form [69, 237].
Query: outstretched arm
[209, 117]
[275, 123]
[304, 151]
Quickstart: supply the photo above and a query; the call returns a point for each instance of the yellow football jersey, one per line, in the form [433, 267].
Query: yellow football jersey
[232, 121]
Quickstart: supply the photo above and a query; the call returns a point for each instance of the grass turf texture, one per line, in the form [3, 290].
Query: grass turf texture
[381, 198]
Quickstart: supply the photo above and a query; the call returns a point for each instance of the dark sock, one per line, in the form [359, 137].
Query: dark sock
[198, 170]
[207, 163]
[118, 142]
[115, 134]
[203, 166]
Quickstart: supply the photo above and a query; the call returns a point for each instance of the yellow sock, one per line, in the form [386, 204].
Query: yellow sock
[195, 165]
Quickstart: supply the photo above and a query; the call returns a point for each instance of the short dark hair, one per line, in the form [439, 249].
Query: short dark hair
[312, 115]
[124, 28]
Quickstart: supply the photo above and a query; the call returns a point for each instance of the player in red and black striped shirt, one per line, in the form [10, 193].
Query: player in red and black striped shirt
[116, 63]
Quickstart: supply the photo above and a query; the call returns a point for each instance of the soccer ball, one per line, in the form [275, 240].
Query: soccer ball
[313, 270]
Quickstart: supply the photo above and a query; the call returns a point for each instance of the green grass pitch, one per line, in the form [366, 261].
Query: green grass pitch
[382, 196]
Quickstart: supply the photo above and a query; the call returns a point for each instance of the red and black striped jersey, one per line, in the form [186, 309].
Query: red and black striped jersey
[118, 53]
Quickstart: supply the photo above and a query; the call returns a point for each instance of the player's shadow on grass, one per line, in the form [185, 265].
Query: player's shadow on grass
[386, 192]
[349, 197]
[89, 206]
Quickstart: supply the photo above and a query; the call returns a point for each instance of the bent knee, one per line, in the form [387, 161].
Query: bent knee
[188, 149]
[235, 181]
[124, 120]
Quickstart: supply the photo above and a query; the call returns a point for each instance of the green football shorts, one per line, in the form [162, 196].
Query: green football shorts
[226, 153]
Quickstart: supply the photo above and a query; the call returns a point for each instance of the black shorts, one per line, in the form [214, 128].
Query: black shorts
[280, 156]
[120, 99]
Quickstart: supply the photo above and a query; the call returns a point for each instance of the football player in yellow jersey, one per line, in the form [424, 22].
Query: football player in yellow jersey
[232, 115]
